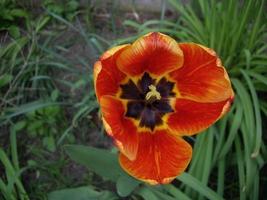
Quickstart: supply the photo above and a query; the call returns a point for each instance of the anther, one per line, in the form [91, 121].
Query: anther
[153, 94]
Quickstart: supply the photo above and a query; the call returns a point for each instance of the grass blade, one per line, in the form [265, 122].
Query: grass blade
[198, 186]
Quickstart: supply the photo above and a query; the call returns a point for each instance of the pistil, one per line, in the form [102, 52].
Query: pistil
[153, 94]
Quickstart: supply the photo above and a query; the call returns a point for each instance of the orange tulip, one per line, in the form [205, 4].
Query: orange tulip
[154, 92]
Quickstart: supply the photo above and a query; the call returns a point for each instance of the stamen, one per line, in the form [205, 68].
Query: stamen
[153, 94]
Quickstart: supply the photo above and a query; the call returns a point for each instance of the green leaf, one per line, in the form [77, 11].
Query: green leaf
[14, 31]
[55, 95]
[6, 15]
[257, 76]
[195, 184]
[12, 176]
[125, 185]
[5, 79]
[14, 150]
[41, 23]
[176, 192]
[256, 105]
[72, 5]
[20, 125]
[26, 108]
[240, 166]
[19, 13]
[235, 124]
[55, 8]
[101, 161]
[49, 143]
[147, 194]
[81, 193]
[35, 125]
[162, 195]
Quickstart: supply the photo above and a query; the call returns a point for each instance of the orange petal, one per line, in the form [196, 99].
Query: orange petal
[112, 51]
[107, 76]
[117, 126]
[160, 158]
[155, 52]
[202, 77]
[192, 117]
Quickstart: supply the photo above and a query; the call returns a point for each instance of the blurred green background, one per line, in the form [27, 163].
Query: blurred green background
[52, 143]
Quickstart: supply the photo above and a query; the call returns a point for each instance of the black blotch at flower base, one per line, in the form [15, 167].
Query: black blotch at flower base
[148, 113]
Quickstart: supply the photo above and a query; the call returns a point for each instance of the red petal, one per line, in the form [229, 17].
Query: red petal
[191, 117]
[117, 126]
[160, 158]
[107, 76]
[202, 77]
[155, 52]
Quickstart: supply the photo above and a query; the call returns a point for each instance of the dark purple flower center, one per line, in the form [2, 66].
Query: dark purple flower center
[150, 111]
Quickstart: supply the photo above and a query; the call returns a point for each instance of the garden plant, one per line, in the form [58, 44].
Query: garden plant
[78, 121]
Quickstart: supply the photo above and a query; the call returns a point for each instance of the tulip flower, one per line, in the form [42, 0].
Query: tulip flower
[152, 94]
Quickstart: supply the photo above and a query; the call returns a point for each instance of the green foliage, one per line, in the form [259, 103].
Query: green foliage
[29, 102]
[82, 193]
[11, 187]
[87, 103]
[44, 123]
[10, 16]
[66, 9]
[97, 160]
[125, 185]
[5, 79]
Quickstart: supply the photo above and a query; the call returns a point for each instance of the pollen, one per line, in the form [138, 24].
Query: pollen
[153, 94]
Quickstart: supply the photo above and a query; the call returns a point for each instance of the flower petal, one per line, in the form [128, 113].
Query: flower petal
[119, 127]
[160, 158]
[192, 117]
[107, 76]
[202, 77]
[112, 51]
[155, 52]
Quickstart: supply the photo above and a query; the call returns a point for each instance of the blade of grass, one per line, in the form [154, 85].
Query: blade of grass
[258, 138]
[11, 174]
[5, 192]
[161, 195]
[196, 159]
[13, 145]
[256, 26]
[250, 163]
[256, 186]
[198, 186]
[257, 76]
[221, 174]
[207, 158]
[25, 108]
[176, 192]
[240, 167]
[247, 107]
[147, 194]
[221, 138]
[235, 124]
